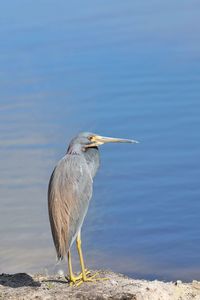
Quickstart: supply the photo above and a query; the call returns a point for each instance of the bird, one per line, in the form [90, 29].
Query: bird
[69, 194]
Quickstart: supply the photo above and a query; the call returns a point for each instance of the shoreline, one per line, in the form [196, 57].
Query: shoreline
[22, 286]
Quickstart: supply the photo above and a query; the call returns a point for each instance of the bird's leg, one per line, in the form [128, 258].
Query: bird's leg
[84, 271]
[80, 253]
[72, 278]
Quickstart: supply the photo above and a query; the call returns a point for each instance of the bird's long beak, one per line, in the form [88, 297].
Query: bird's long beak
[99, 140]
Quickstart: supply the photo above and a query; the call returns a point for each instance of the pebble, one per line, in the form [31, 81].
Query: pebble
[60, 273]
[195, 281]
[178, 282]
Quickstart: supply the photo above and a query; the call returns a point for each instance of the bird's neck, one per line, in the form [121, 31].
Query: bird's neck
[74, 149]
[93, 160]
[91, 155]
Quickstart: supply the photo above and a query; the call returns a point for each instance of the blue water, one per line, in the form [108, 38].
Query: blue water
[123, 69]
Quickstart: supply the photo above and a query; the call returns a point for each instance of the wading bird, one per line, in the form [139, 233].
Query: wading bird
[69, 194]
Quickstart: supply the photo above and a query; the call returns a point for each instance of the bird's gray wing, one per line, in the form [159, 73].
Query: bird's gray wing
[69, 193]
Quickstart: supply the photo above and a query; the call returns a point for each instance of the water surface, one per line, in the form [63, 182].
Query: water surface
[120, 69]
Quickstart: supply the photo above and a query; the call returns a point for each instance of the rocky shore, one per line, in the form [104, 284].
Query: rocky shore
[22, 286]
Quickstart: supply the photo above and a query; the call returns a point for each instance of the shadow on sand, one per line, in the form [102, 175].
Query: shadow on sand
[18, 280]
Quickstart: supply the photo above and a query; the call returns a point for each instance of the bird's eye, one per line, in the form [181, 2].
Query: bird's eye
[90, 138]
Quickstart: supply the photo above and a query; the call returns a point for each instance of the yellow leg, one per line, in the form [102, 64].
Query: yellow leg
[79, 248]
[84, 272]
[72, 278]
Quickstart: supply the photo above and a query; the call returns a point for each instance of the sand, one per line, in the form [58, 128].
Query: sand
[119, 287]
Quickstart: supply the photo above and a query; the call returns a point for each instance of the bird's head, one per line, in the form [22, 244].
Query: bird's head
[86, 140]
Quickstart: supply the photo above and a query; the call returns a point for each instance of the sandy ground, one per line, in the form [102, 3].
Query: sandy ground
[25, 287]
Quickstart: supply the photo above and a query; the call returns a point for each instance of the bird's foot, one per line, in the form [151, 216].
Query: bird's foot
[74, 280]
[92, 278]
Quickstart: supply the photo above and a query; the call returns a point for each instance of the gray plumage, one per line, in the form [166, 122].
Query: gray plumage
[70, 188]
[69, 193]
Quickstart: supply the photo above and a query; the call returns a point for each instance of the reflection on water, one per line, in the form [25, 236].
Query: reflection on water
[118, 69]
